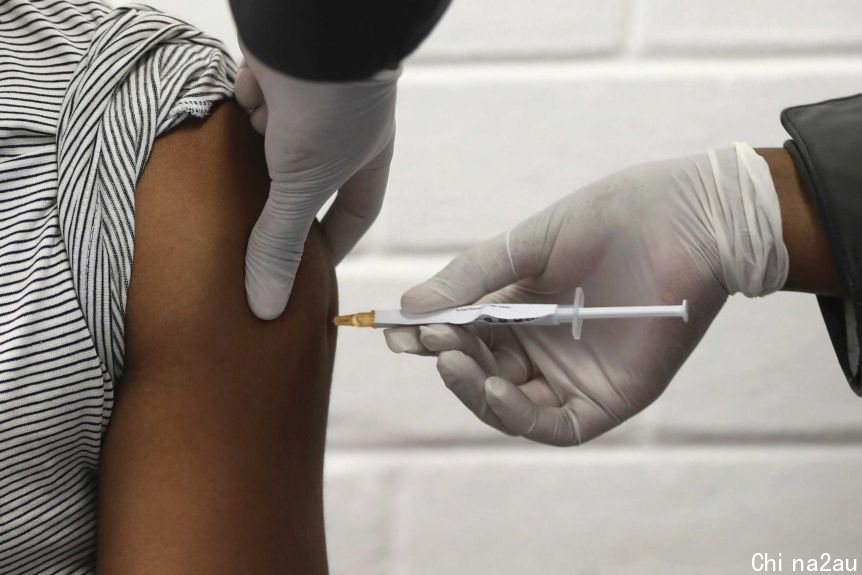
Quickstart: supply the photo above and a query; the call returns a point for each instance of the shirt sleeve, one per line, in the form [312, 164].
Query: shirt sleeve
[825, 147]
[334, 40]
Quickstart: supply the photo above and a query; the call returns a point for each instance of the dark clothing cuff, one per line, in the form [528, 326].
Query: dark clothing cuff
[334, 40]
[827, 151]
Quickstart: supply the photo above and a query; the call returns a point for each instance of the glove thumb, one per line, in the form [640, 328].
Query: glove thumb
[483, 269]
[246, 88]
[250, 96]
[273, 255]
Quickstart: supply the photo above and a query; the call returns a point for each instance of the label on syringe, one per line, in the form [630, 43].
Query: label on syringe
[497, 320]
[489, 313]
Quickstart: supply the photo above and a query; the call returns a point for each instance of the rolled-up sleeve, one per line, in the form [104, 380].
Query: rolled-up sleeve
[334, 40]
[826, 147]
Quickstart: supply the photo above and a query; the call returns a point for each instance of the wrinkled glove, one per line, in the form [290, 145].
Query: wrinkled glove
[320, 137]
[696, 228]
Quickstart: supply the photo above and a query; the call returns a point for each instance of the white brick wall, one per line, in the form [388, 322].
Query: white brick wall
[524, 29]
[673, 511]
[759, 26]
[509, 105]
[480, 146]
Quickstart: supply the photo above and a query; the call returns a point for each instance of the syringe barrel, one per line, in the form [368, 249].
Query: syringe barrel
[564, 314]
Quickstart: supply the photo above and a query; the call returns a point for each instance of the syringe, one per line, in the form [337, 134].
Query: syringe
[513, 314]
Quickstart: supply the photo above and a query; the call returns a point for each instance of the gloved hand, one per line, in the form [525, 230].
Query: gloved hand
[319, 137]
[696, 228]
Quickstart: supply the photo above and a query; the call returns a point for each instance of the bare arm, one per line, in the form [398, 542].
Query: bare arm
[213, 460]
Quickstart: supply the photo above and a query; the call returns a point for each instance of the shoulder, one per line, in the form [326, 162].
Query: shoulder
[197, 201]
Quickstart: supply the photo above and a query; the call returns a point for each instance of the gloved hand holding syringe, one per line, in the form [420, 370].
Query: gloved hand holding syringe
[523, 314]
[694, 229]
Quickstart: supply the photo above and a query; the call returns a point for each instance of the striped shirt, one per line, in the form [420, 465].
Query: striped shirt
[84, 91]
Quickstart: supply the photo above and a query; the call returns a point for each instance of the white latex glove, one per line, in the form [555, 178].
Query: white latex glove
[696, 228]
[320, 137]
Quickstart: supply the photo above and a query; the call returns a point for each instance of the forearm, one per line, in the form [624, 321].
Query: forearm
[812, 266]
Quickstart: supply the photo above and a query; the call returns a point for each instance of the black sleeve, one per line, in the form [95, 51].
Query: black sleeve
[827, 151]
[334, 40]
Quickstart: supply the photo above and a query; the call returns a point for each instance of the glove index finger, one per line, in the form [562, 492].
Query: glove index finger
[357, 204]
[274, 253]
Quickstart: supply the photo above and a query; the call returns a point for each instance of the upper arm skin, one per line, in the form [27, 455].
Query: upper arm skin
[213, 459]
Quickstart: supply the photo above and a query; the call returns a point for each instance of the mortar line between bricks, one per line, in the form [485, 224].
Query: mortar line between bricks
[633, 53]
[404, 459]
[666, 65]
[633, 45]
[853, 442]
[526, 57]
[398, 531]
[394, 484]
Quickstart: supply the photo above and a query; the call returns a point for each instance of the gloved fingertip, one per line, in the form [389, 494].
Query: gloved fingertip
[451, 360]
[266, 309]
[246, 89]
[435, 337]
[510, 404]
[497, 387]
[259, 118]
[445, 370]
[463, 378]
[398, 341]
[266, 298]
